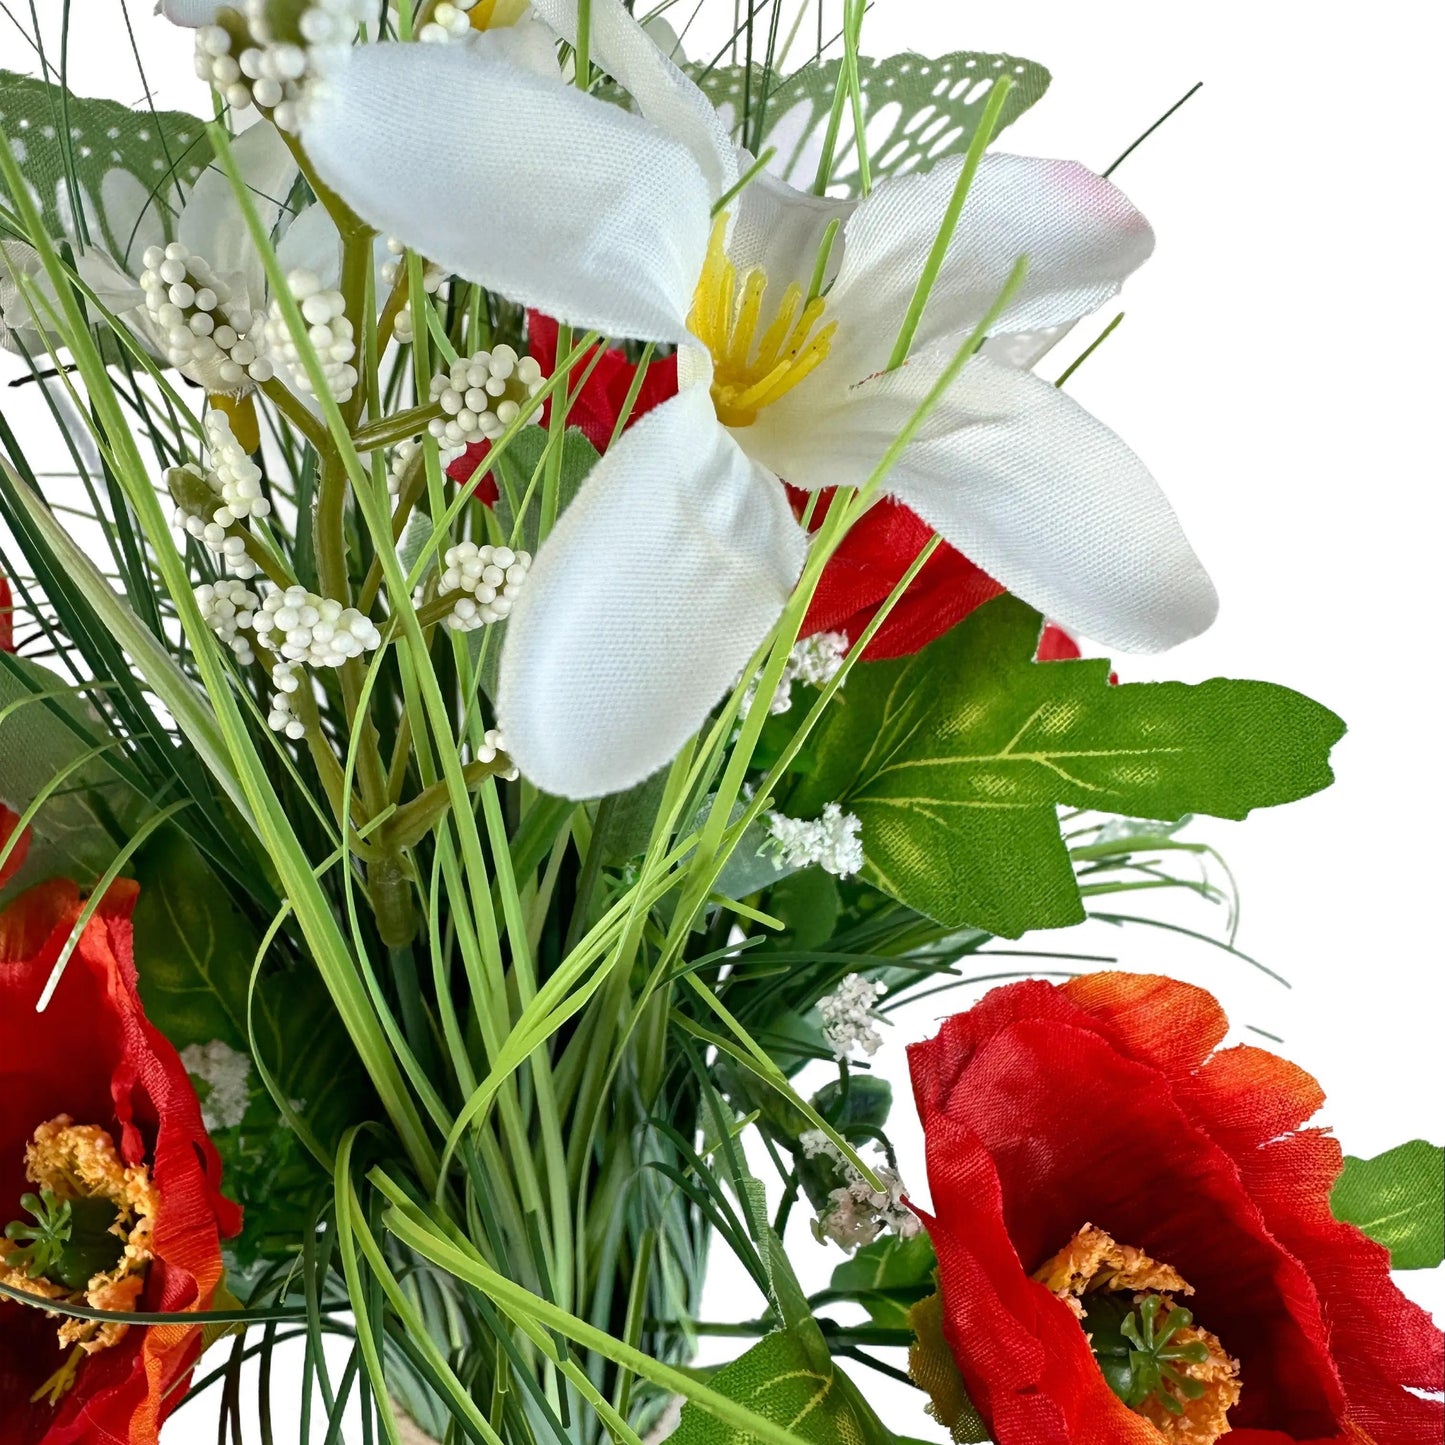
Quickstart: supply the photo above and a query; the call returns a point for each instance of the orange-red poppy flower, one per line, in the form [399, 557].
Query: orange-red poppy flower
[1090, 1150]
[109, 1185]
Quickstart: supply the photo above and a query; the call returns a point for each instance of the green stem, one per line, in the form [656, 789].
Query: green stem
[981, 137]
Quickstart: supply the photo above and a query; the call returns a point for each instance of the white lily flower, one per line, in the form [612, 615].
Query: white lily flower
[680, 551]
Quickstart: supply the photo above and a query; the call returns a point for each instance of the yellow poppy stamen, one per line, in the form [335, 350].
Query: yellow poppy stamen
[753, 364]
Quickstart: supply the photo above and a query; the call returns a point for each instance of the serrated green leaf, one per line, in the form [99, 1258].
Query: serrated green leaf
[887, 1277]
[918, 109]
[955, 760]
[131, 168]
[1398, 1199]
[789, 1378]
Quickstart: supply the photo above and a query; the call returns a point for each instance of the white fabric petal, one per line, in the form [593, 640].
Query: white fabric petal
[780, 229]
[645, 603]
[666, 96]
[551, 197]
[192, 13]
[527, 43]
[312, 243]
[211, 223]
[1025, 349]
[1024, 482]
[1081, 235]
[131, 216]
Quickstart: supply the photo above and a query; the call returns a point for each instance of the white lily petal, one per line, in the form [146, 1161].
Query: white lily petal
[528, 43]
[131, 216]
[312, 243]
[1025, 349]
[1081, 235]
[780, 229]
[1024, 482]
[191, 13]
[211, 223]
[666, 96]
[551, 197]
[645, 603]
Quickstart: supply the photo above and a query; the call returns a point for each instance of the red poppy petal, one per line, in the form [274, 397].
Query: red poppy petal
[16, 861]
[7, 617]
[1024, 1359]
[1171, 1026]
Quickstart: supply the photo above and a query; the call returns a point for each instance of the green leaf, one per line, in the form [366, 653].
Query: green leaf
[131, 168]
[789, 1378]
[1398, 1199]
[888, 1277]
[918, 109]
[194, 955]
[519, 465]
[44, 729]
[956, 759]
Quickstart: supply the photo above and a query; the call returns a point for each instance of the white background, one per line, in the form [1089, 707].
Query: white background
[1279, 370]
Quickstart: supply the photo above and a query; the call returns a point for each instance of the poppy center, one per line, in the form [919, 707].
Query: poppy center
[1147, 1346]
[87, 1239]
[758, 355]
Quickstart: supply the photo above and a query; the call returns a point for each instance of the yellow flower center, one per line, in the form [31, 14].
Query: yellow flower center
[495, 14]
[751, 371]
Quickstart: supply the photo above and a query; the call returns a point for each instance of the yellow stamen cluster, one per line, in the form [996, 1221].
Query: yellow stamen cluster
[752, 371]
[80, 1161]
[1091, 1262]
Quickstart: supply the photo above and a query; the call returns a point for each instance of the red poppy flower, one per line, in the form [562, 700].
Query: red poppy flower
[598, 403]
[7, 617]
[13, 864]
[100, 1132]
[877, 551]
[1060, 1120]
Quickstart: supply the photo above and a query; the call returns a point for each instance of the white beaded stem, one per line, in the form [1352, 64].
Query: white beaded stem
[485, 582]
[329, 332]
[482, 394]
[271, 71]
[210, 336]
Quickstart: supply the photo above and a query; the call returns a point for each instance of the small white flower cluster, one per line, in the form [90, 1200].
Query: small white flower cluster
[399, 461]
[271, 71]
[211, 532]
[211, 336]
[482, 394]
[831, 841]
[814, 660]
[304, 629]
[227, 1076]
[448, 22]
[229, 608]
[328, 330]
[493, 743]
[234, 484]
[858, 1213]
[433, 278]
[237, 476]
[485, 581]
[848, 1016]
